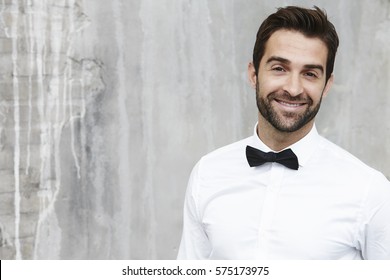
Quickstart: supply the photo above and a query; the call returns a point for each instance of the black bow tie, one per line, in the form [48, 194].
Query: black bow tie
[256, 157]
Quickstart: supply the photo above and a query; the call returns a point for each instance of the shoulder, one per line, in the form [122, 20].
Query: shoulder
[227, 151]
[339, 156]
[348, 165]
[224, 161]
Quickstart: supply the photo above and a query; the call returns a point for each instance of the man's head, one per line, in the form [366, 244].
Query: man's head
[312, 23]
[292, 67]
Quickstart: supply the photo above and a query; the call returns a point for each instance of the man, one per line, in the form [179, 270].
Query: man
[286, 192]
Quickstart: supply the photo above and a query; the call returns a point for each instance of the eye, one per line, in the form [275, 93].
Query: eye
[278, 69]
[311, 74]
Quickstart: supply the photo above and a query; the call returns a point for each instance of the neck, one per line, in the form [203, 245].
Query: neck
[279, 140]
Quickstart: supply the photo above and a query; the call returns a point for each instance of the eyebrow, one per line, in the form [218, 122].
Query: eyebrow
[286, 61]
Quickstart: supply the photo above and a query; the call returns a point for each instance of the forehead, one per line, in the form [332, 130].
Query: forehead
[296, 47]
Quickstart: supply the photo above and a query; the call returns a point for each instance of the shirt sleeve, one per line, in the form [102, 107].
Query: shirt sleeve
[194, 242]
[375, 227]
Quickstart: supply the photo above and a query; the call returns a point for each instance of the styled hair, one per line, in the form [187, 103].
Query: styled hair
[313, 23]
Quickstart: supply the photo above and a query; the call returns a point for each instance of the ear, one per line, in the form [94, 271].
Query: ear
[328, 85]
[252, 75]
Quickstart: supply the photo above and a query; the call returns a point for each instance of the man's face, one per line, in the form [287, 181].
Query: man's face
[291, 80]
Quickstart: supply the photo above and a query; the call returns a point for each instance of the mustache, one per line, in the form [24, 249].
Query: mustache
[301, 98]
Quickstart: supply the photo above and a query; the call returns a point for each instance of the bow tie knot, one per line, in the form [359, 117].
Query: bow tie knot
[256, 157]
[270, 156]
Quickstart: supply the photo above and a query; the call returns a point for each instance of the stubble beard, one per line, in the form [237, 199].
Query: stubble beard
[287, 121]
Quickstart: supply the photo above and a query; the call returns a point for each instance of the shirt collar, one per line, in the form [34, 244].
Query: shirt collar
[304, 148]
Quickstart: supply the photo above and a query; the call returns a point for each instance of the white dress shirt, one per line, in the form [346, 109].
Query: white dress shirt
[332, 207]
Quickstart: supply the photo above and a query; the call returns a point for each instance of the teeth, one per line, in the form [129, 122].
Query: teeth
[290, 104]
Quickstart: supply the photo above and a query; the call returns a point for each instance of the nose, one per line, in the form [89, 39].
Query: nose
[293, 85]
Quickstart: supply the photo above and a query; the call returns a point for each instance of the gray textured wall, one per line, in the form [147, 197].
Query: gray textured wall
[105, 106]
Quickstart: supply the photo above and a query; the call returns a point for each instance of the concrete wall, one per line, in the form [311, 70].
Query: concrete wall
[105, 106]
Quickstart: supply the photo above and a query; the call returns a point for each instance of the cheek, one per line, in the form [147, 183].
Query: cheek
[268, 85]
[314, 91]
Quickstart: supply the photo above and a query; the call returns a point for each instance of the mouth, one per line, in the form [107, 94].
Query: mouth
[290, 105]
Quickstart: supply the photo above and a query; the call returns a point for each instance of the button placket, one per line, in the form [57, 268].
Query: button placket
[269, 207]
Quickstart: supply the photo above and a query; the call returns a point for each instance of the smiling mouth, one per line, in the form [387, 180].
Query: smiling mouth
[290, 104]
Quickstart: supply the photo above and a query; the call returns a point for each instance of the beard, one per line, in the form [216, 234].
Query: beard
[286, 121]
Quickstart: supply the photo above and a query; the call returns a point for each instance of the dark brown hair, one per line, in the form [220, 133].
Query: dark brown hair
[312, 23]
